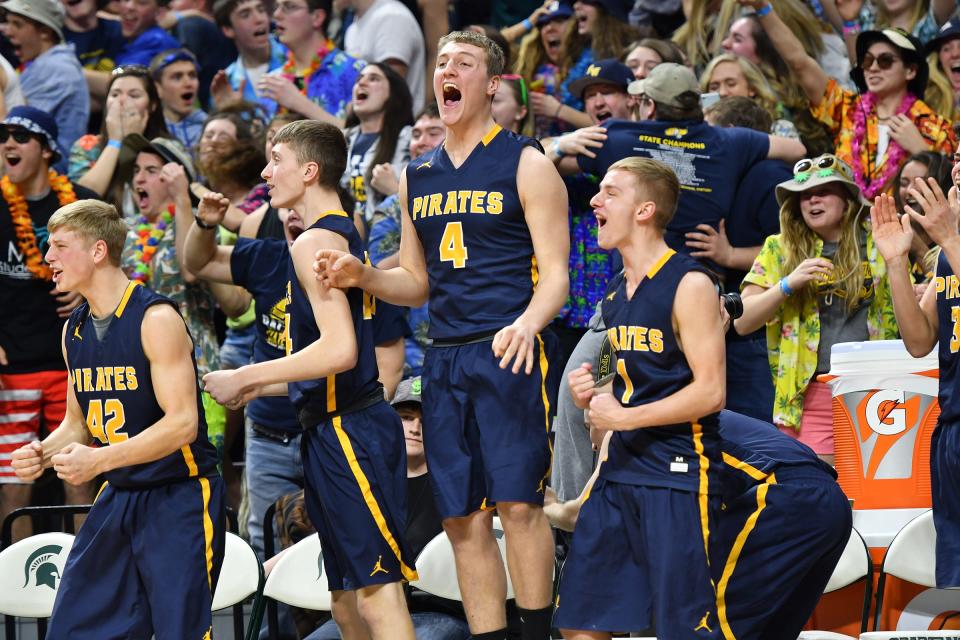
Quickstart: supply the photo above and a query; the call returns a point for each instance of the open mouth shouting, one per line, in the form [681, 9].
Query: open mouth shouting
[188, 97]
[11, 159]
[142, 197]
[604, 114]
[451, 95]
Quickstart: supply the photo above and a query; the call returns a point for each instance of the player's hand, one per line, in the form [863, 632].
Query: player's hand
[77, 463]
[27, 461]
[920, 289]
[338, 269]
[711, 243]
[213, 208]
[940, 213]
[228, 388]
[581, 141]
[67, 301]
[582, 385]
[893, 234]
[515, 343]
[607, 413]
[384, 179]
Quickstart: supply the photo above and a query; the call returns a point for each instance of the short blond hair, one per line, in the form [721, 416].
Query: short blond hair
[495, 56]
[658, 183]
[96, 220]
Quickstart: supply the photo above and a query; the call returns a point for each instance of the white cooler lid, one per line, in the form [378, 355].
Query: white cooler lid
[878, 357]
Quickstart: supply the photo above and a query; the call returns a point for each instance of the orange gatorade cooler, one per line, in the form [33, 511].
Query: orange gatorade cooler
[884, 412]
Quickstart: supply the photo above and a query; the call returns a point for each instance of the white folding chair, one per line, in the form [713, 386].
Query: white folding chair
[298, 578]
[30, 573]
[911, 556]
[853, 566]
[438, 570]
[241, 576]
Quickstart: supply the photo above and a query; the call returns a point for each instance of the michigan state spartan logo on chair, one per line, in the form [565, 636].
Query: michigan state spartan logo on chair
[39, 569]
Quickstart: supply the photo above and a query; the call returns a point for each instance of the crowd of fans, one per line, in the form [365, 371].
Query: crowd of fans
[783, 120]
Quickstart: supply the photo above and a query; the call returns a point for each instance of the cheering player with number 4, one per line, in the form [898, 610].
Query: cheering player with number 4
[481, 215]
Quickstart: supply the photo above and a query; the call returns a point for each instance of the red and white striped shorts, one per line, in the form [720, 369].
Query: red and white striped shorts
[26, 401]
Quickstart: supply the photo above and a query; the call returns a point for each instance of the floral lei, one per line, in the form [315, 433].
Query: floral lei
[289, 69]
[148, 239]
[895, 153]
[23, 223]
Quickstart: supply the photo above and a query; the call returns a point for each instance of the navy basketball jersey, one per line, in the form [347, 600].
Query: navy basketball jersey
[112, 380]
[947, 286]
[651, 366]
[335, 392]
[470, 222]
[753, 449]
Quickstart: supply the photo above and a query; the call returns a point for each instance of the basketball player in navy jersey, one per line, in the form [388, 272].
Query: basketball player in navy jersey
[480, 223]
[934, 319]
[642, 548]
[354, 456]
[147, 559]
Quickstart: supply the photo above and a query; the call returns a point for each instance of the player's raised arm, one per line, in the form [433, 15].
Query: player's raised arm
[544, 199]
[405, 285]
[700, 332]
[334, 352]
[204, 257]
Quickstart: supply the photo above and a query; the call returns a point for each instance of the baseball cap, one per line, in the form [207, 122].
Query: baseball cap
[49, 13]
[616, 8]
[949, 31]
[669, 83]
[609, 71]
[407, 391]
[556, 10]
[36, 121]
[169, 150]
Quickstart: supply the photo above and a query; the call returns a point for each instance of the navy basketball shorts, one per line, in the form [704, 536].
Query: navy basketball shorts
[145, 562]
[779, 544]
[485, 429]
[639, 558]
[944, 480]
[355, 473]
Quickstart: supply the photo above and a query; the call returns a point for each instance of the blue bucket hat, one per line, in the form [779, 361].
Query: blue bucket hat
[39, 122]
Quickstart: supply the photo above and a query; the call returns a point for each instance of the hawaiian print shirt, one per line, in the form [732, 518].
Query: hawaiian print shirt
[925, 30]
[837, 109]
[330, 86]
[195, 301]
[83, 155]
[237, 73]
[793, 335]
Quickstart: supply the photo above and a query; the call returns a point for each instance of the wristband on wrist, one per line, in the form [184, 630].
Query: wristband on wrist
[559, 109]
[201, 223]
[764, 10]
[557, 151]
[116, 144]
[785, 288]
[527, 24]
[850, 27]
[177, 16]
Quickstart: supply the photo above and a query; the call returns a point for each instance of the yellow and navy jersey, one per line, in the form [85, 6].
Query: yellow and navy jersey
[651, 366]
[114, 387]
[754, 450]
[476, 243]
[335, 392]
[947, 287]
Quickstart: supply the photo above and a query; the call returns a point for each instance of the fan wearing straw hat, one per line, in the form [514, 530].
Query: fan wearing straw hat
[818, 282]
[877, 128]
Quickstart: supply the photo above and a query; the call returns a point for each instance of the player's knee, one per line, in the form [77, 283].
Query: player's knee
[346, 613]
[380, 601]
[468, 530]
[519, 515]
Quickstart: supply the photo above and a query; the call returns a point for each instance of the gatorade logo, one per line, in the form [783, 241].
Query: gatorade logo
[40, 565]
[888, 413]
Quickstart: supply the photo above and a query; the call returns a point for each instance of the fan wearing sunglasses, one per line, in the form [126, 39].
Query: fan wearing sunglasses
[818, 282]
[877, 128]
[33, 309]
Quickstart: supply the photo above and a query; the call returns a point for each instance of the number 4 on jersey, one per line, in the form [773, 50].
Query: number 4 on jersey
[452, 248]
